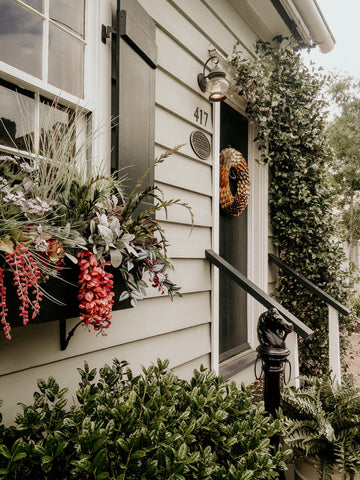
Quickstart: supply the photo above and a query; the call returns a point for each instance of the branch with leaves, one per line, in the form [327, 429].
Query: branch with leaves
[286, 100]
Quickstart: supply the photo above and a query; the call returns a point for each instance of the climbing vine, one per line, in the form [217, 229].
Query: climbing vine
[285, 99]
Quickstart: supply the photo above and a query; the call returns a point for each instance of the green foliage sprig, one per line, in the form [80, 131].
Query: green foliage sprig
[323, 422]
[285, 99]
[153, 425]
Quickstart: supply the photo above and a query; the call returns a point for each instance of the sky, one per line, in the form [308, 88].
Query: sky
[343, 18]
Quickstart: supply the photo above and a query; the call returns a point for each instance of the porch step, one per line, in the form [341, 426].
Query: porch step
[234, 365]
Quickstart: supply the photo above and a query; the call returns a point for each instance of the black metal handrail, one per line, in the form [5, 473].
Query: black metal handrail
[256, 292]
[309, 285]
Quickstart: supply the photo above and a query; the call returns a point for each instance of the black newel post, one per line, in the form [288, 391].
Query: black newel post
[272, 331]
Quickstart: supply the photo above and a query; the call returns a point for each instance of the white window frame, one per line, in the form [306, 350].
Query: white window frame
[41, 86]
[97, 76]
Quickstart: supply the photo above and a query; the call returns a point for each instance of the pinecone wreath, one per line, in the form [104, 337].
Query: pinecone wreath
[233, 167]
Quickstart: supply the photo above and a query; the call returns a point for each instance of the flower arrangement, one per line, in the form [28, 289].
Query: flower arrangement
[52, 212]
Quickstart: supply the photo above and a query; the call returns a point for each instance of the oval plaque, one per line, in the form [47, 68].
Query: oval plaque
[200, 144]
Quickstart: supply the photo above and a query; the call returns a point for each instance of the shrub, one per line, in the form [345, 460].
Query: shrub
[323, 422]
[153, 425]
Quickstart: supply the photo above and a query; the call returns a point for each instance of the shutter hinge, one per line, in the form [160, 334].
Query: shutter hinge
[106, 30]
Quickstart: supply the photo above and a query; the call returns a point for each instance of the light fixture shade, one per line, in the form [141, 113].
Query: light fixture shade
[217, 86]
[214, 83]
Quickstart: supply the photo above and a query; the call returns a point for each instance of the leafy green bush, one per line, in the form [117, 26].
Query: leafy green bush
[153, 425]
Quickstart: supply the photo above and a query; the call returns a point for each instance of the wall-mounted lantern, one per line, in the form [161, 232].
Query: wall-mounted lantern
[215, 82]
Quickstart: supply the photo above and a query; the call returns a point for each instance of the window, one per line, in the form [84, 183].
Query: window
[26, 119]
[17, 113]
[46, 39]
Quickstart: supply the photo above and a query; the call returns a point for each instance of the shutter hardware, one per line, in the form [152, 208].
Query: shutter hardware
[106, 31]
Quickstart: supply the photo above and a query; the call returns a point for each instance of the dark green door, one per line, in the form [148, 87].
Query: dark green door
[233, 247]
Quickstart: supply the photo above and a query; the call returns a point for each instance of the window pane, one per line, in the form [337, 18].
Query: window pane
[37, 4]
[66, 62]
[16, 119]
[54, 123]
[69, 13]
[20, 38]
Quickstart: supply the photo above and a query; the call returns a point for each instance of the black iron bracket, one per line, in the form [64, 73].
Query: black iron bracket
[106, 31]
[65, 338]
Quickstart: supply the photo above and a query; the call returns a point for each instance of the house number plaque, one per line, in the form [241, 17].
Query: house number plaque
[200, 144]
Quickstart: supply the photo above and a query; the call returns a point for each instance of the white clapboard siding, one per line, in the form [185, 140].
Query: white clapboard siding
[200, 206]
[192, 275]
[179, 347]
[176, 97]
[168, 19]
[187, 369]
[239, 28]
[171, 130]
[178, 62]
[209, 25]
[151, 318]
[186, 243]
[184, 172]
[199, 281]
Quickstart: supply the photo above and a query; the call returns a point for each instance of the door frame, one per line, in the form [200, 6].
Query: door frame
[257, 231]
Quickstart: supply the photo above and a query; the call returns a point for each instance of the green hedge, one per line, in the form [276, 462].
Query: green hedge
[151, 426]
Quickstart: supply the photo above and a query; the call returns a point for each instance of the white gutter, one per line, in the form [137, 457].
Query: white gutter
[316, 23]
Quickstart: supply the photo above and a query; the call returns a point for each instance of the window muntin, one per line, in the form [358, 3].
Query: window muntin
[45, 40]
[21, 35]
[17, 113]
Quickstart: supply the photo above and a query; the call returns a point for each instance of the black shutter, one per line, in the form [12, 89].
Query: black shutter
[133, 91]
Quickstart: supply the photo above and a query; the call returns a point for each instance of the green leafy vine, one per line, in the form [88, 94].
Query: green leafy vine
[286, 100]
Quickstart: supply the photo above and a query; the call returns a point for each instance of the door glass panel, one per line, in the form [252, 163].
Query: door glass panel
[20, 38]
[16, 119]
[37, 4]
[69, 13]
[233, 247]
[66, 60]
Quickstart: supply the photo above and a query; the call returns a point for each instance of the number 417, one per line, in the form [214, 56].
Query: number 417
[201, 116]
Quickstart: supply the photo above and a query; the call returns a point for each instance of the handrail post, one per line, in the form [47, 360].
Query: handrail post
[334, 344]
[272, 330]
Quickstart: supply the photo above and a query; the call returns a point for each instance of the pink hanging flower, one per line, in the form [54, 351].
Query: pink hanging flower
[95, 294]
[26, 277]
[3, 307]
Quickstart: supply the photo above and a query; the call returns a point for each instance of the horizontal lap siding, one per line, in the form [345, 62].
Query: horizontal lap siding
[180, 331]
[178, 347]
[183, 172]
[150, 319]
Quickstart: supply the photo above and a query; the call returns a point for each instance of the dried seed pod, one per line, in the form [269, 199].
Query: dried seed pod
[233, 164]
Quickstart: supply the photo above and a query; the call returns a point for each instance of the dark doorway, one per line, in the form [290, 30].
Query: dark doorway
[233, 247]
